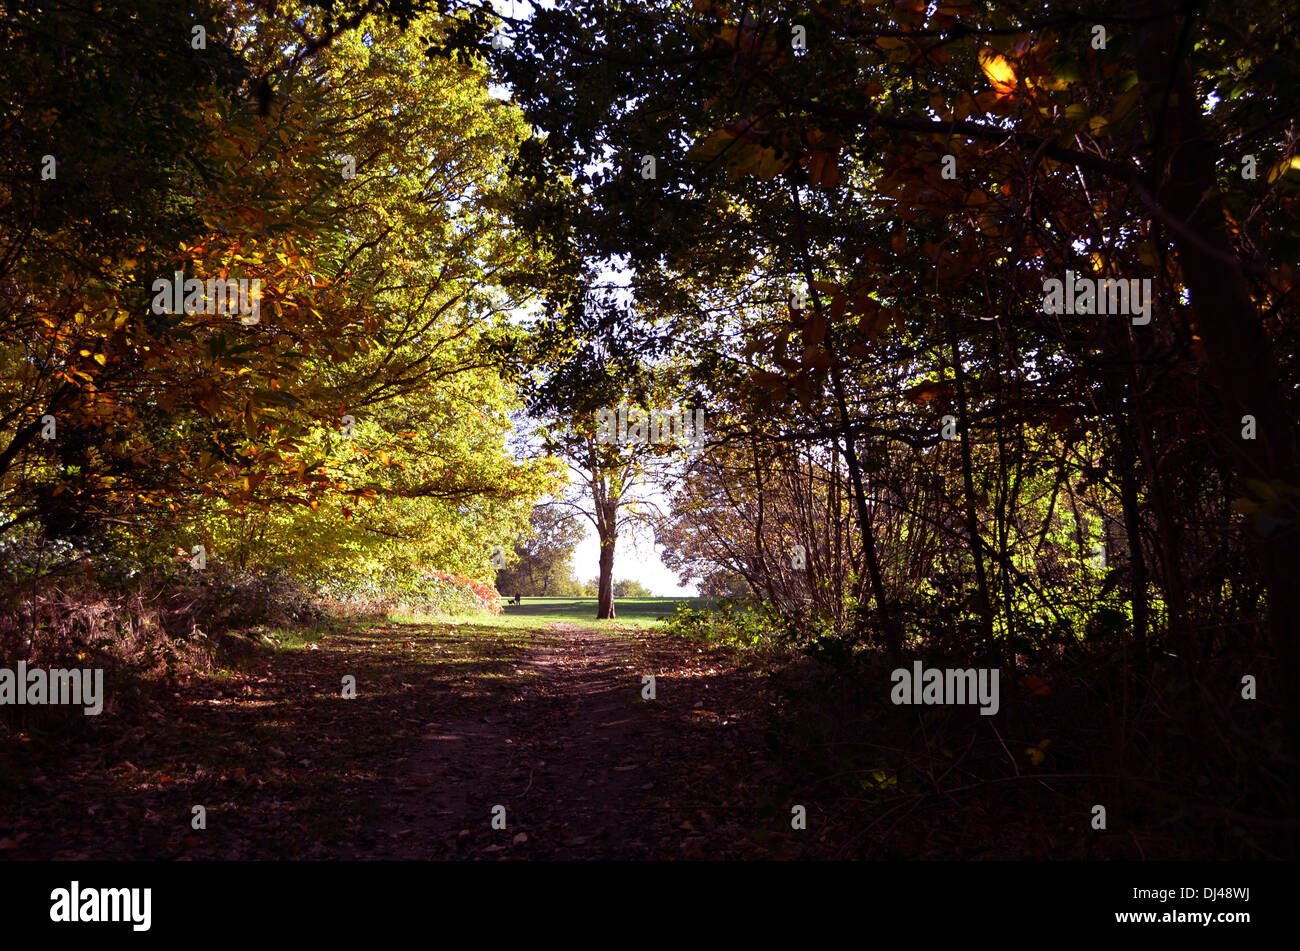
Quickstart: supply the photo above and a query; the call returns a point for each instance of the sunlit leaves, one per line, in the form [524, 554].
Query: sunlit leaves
[998, 71]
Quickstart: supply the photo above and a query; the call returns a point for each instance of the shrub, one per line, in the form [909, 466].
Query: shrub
[727, 623]
[423, 591]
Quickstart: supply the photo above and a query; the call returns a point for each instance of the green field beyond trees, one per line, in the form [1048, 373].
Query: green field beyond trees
[584, 609]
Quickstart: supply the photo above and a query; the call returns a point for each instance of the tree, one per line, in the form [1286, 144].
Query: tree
[543, 557]
[606, 413]
[855, 238]
[608, 476]
[631, 589]
[350, 419]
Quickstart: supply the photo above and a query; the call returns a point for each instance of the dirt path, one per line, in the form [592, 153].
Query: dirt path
[449, 721]
[585, 766]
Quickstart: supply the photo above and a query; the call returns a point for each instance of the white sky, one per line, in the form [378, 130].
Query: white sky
[637, 561]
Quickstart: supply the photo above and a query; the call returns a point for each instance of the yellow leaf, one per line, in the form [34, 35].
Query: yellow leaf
[998, 70]
[1054, 83]
[1282, 167]
[766, 165]
[1245, 506]
[1126, 103]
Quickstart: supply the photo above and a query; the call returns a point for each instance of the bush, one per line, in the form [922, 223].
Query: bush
[63, 605]
[423, 591]
[631, 589]
[158, 624]
[728, 623]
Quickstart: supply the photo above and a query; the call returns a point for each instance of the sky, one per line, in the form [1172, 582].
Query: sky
[634, 562]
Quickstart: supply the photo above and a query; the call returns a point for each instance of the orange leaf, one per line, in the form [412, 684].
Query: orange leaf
[814, 331]
[1036, 685]
[998, 71]
[928, 391]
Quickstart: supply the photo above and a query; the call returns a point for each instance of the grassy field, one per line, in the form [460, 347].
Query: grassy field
[645, 610]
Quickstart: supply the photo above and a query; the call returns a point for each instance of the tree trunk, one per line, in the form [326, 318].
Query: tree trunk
[1133, 528]
[605, 589]
[890, 629]
[985, 603]
[606, 498]
[1242, 367]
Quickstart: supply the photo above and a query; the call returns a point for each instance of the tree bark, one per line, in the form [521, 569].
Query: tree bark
[984, 602]
[1236, 351]
[605, 589]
